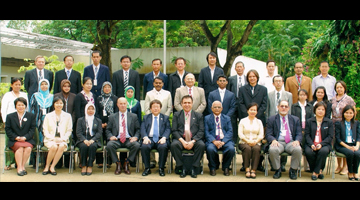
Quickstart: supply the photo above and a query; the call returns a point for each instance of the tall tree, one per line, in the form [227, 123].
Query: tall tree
[233, 50]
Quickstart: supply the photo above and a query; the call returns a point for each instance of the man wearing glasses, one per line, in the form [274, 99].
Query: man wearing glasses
[283, 133]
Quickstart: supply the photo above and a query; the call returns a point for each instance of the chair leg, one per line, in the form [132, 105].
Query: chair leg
[333, 165]
[266, 157]
[37, 159]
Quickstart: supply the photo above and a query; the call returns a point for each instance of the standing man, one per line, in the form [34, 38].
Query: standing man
[276, 96]
[267, 80]
[32, 77]
[294, 83]
[155, 132]
[324, 79]
[188, 134]
[68, 73]
[125, 77]
[223, 95]
[123, 131]
[99, 73]
[208, 76]
[149, 77]
[218, 135]
[283, 133]
[160, 94]
[176, 79]
[197, 93]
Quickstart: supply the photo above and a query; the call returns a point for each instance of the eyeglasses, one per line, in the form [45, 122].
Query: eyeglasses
[284, 106]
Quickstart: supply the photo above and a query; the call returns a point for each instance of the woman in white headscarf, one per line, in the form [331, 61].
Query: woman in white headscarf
[88, 131]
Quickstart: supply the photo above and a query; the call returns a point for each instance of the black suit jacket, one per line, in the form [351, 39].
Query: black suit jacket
[175, 82]
[246, 97]
[327, 132]
[81, 130]
[103, 75]
[205, 81]
[31, 82]
[133, 125]
[340, 133]
[196, 125]
[164, 126]
[118, 83]
[27, 128]
[75, 79]
[273, 128]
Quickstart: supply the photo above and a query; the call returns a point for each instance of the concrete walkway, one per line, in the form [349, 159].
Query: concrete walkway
[98, 176]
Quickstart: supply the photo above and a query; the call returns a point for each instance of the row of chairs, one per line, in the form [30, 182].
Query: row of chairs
[75, 150]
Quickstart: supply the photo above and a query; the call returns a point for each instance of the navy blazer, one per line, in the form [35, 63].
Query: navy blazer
[327, 132]
[31, 82]
[103, 75]
[27, 128]
[149, 79]
[273, 128]
[228, 103]
[205, 81]
[164, 126]
[340, 133]
[75, 80]
[210, 128]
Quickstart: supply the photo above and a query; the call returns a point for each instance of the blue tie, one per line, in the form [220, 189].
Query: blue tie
[156, 131]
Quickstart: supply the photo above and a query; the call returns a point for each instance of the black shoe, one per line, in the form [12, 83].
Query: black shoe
[226, 172]
[161, 172]
[193, 173]
[321, 176]
[277, 174]
[45, 172]
[314, 177]
[213, 172]
[146, 172]
[183, 173]
[21, 173]
[292, 174]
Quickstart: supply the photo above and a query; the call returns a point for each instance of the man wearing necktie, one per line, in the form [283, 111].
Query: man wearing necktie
[123, 131]
[155, 132]
[188, 133]
[68, 73]
[283, 133]
[218, 135]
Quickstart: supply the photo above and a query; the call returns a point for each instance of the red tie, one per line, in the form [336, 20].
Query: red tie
[190, 92]
[123, 132]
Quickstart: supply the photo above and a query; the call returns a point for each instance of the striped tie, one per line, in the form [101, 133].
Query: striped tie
[126, 82]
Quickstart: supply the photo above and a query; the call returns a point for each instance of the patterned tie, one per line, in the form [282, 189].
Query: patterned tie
[123, 132]
[190, 92]
[239, 85]
[126, 79]
[40, 76]
[156, 130]
[217, 128]
[287, 136]
[68, 74]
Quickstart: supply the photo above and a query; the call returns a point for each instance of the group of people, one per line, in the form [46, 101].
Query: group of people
[248, 112]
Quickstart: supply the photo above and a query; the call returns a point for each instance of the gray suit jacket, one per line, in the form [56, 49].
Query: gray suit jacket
[271, 104]
[198, 95]
[132, 125]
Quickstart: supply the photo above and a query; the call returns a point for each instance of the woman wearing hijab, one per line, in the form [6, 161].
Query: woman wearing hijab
[40, 105]
[133, 104]
[105, 106]
[57, 131]
[89, 131]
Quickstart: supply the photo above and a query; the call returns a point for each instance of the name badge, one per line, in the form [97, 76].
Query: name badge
[95, 82]
[283, 132]
[44, 111]
[187, 127]
[104, 113]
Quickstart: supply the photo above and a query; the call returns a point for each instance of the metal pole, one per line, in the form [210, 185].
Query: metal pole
[0, 53]
[164, 46]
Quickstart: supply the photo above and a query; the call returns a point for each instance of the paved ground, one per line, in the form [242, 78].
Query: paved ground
[98, 176]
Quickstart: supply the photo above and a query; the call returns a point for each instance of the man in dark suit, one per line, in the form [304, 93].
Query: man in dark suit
[125, 77]
[123, 131]
[188, 134]
[235, 83]
[33, 76]
[218, 135]
[149, 77]
[177, 79]
[208, 75]
[99, 73]
[155, 132]
[223, 95]
[68, 73]
[283, 133]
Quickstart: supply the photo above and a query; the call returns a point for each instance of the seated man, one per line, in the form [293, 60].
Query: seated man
[123, 131]
[188, 133]
[283, 133]
[218, 135]
[155, 132]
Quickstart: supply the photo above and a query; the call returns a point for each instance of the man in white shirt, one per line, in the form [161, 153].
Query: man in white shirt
[324, 79]
[158, 93]
[267, 80]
